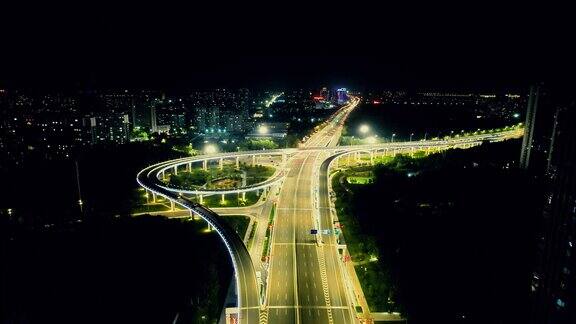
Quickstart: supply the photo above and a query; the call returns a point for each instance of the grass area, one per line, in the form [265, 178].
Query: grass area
[139, 203]
[363, 249]
[258, 173]
[238, 222]
[360, 247]
[150, 208]
[216, 178]
[189, 180]
[251, 236]
[364, 177]
[375, 288]
[268, 237]
[359, 180]
[231, 200]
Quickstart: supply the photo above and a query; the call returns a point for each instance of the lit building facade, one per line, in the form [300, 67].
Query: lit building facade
[554, 279]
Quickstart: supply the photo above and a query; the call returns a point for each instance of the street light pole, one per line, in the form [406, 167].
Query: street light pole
[392, 138]
[80, 202]
[411, 134]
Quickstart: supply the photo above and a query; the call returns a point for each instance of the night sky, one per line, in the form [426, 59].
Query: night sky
[94, 44]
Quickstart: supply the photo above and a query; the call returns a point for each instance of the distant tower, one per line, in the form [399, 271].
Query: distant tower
[125, 129]
[342, 94]
[153, 122]
[527, 142]
[324, 93]
[134, 115]
[93, 131]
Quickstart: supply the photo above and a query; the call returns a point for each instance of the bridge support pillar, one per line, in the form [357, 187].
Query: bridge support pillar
[175, 170]
[200, 199]
[189, 167]
[244, 196]
[237, 163]
[205, 165]
[223, 200]
[209, 227]
[163, 175]
[172, 206]
[221, 163]
[254, 160]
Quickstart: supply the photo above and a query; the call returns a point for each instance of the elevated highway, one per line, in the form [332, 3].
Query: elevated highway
[306, 282]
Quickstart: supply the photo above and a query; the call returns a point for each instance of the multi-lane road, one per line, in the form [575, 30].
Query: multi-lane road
[305, 282]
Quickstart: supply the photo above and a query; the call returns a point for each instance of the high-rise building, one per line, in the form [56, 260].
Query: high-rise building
[529, 127]
[141, 114]
[153, 119]
[324, 93]
[342, 94]
[108, 128]
[554, 279]
[170, 117]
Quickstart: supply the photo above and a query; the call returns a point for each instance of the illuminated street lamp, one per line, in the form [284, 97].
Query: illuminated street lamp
[392, 137]
[371, 140]
[210, 149]
[411, 134]
[263, 129]
[364, 129]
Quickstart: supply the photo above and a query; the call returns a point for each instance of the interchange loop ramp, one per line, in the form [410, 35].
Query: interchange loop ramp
[247, 287]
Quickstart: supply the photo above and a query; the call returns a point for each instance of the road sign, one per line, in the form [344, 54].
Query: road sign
[326, 232]
[313, 231]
